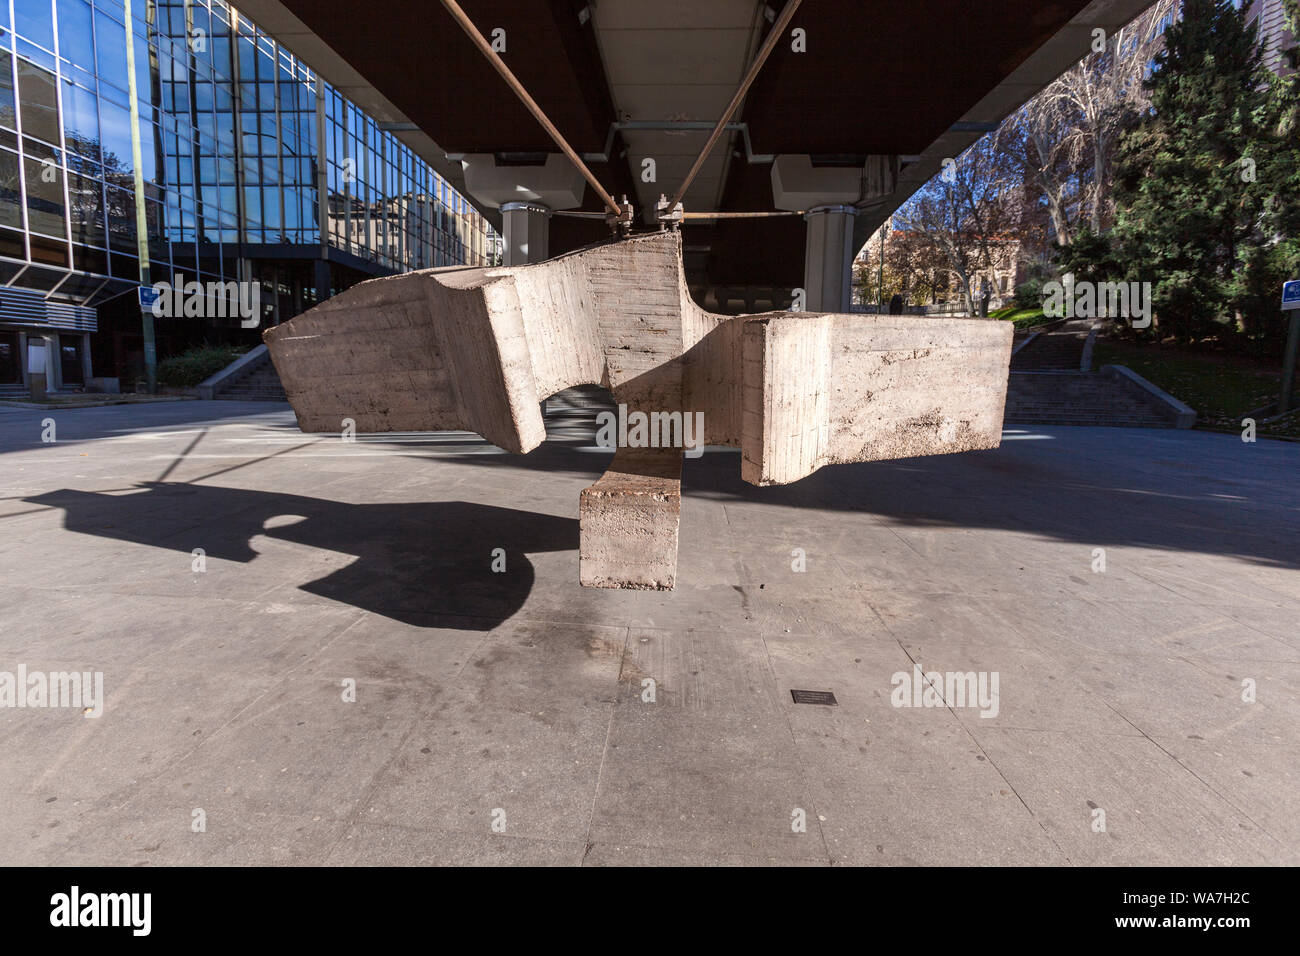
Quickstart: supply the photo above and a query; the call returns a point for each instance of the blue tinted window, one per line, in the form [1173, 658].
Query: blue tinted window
[34, 20]
[10, 195]
[111, 51]
[7, 116]
[76, 39]
[115, 136]
[81, 120]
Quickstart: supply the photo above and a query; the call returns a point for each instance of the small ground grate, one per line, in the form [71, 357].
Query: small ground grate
[814, 697]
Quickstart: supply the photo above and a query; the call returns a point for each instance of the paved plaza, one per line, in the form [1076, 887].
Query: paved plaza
[1128, 598]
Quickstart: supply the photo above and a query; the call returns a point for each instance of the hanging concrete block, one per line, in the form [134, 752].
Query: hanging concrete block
[479, 349]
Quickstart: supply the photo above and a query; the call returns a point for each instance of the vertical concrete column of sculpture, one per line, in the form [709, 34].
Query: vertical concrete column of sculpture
[629, 518]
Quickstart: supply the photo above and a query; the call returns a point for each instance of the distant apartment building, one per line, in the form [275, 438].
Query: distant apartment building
[1274, 35]
[250, 168]
[1273, 31]
[917, 274]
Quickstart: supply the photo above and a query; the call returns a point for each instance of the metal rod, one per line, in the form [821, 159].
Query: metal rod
[738, 215]
[575, 214]
[773, 36]
[518, 88]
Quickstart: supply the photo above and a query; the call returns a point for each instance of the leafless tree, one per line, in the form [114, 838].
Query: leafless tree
[964, 214]
[1064, 138]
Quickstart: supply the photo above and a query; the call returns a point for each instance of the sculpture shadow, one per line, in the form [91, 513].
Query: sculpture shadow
[1138, 501]
[414, 561]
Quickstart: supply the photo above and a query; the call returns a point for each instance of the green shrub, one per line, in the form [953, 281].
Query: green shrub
[1029, 294]
[194, 365]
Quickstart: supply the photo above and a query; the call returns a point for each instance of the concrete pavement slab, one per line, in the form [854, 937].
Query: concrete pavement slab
[515, 690]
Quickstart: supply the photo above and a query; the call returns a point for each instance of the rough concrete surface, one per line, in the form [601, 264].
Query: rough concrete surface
[519, 697]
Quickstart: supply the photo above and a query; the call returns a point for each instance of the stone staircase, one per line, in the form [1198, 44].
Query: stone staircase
[1108, 397]
[1057, 350]
[260, 384]
[581, 401]
[571, 414]
[14, 393]
[1051, 384]
[250, 378]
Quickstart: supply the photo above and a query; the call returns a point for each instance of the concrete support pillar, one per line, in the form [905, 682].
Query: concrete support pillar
[526, 195]
[53, 363]
[38, 366]
[525, 233]
[321, 279]
[828, 258]
[828, 194]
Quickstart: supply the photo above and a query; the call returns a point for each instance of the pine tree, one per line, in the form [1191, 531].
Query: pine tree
[1192, 202]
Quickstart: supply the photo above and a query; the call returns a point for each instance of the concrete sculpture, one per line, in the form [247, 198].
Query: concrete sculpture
[479, 349]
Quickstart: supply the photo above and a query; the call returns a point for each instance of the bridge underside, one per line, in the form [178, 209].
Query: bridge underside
[627, 81]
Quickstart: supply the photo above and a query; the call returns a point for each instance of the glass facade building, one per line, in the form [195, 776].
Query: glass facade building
[249, 166]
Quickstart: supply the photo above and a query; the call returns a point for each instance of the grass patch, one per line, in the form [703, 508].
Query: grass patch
[1021, 318]
[1222, 388]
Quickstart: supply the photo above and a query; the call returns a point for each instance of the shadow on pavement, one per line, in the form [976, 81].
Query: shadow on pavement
[413, 559]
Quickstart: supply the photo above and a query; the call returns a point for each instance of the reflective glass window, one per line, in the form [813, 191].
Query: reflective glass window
[7, 115]
[38, 101]
[34, 20]
[11, 195]
[45, 210]
[76, 38]
[81, 120]
[110, 51]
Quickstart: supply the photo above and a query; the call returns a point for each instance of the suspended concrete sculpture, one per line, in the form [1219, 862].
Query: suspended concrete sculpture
[479, 349]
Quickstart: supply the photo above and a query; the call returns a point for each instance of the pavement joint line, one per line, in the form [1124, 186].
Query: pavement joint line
[989, 759]
[604, 750]
[1201, 780]
[786, 713]
[469, 658]
[372, 786]
[1280, 597]
[1144, 734]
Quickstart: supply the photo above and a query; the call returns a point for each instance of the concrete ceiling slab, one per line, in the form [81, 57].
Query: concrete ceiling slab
[882, 79]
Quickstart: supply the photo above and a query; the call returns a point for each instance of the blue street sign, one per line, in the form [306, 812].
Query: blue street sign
[1291, 295]
[148, 296]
